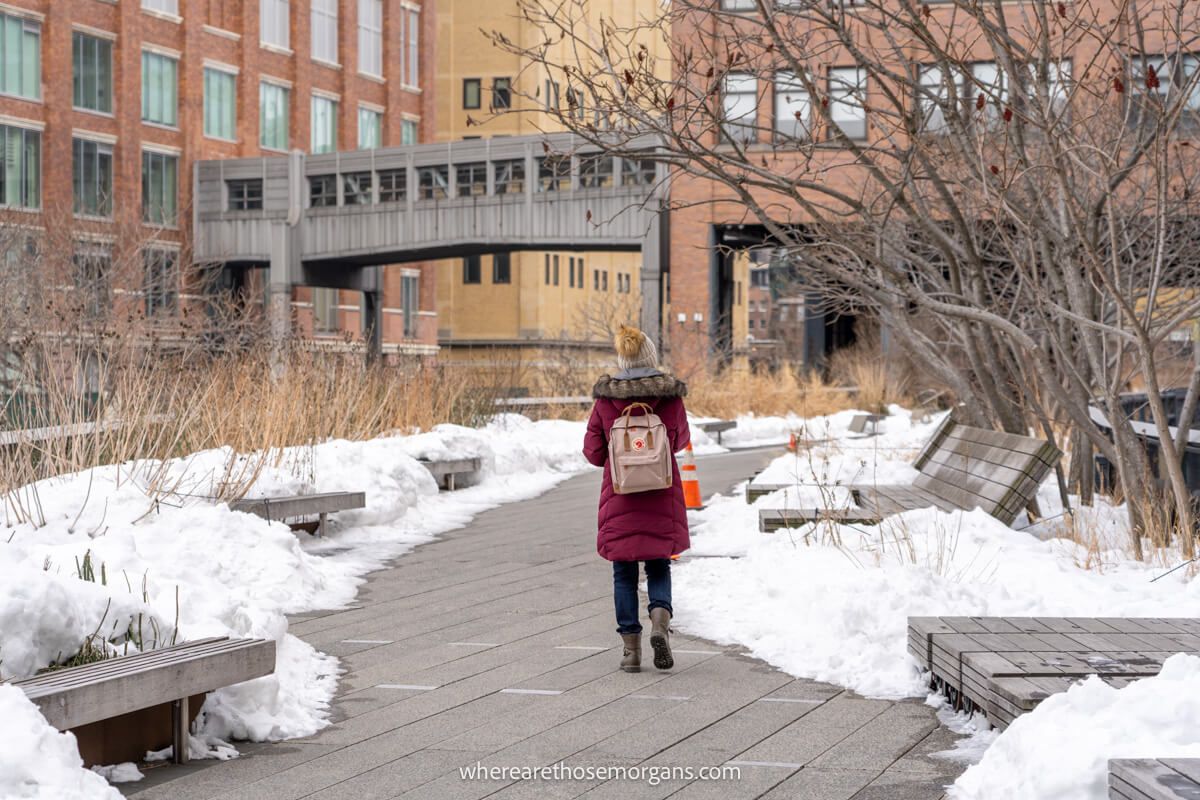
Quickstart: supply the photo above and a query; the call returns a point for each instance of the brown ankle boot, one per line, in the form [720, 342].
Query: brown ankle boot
[631, 657]
[660, 638]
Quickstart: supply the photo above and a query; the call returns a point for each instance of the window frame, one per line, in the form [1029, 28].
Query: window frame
[224, 74]
[784, 82]
[103, 152]
[26, 174]
[28, 87]
[370, 38]
[375, 123]
[498, 92]
[78, 39]
[849, 90]
[466, 94]
[729, 123]
[163, 287]
[553, 179]
[323, 190]
[329, 127]
[164, 116]
[505, 179]
[472, 270]
[168, 202]
[329, 29]
[279, 92]
[410, 302]
[239, 195]
[470, 179]
[437, 187]
[354, 193]
[502, 268]
[390, 189]
[284, 30]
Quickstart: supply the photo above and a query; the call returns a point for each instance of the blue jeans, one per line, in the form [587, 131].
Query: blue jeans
[625, 587]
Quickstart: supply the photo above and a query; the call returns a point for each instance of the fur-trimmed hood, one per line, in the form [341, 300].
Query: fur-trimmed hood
[658, 385]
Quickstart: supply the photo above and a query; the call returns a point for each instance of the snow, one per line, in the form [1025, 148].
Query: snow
[1060, 750]
[39, 763]
[830, 602]
[125, 772]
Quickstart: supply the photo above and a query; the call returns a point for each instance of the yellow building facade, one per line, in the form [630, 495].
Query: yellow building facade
[543, 321]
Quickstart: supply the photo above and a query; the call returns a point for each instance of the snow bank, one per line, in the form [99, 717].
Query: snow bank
[39, 763]
[1060, 750]
[830, 602]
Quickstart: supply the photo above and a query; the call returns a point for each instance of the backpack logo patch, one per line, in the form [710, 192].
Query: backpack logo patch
[639, 444]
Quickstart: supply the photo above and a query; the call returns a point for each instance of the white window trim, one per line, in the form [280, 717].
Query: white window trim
[327, 95]
[224, 34]
[281, 82]
[160, 50]
[21, 122]
[372, 107]
[168, 16]
[95, 32]
[17, 11]
[221, 66]
[373, 78]
[162, 149]
[160, 126]
[327, 64]
[410, 117]
[93, 136]
[274, 48]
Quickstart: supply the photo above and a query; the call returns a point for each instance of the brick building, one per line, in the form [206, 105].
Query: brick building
[105, 105]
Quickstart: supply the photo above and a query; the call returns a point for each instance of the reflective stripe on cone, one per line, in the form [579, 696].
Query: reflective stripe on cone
[690, 479]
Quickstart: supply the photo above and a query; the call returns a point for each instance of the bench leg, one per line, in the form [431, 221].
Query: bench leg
[179, 731]
[450, 482]
[322, 518]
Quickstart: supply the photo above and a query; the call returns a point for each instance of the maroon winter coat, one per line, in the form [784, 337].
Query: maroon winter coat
[645, 525]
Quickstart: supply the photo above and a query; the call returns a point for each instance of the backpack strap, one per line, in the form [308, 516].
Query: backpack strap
[627, 414]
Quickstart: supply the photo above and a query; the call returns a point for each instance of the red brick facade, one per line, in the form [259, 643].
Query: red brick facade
[224, 33]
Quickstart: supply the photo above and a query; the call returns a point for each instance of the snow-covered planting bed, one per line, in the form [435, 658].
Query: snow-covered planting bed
[236, 574]
[832, 603]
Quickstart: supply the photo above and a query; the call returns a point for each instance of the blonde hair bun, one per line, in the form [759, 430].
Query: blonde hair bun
[628, 342]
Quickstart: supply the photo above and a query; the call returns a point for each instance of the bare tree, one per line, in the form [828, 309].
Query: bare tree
[1010, 188]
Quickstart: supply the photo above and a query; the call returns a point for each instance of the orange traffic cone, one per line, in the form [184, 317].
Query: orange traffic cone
[691, 481]
[792, 443]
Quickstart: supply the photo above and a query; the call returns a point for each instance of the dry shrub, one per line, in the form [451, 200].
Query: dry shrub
[762, 392]
[879, 380]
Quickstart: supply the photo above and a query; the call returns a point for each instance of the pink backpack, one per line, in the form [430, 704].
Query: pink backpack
[639, 451]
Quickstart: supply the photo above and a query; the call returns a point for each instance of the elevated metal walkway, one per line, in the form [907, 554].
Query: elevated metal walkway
[331, 220]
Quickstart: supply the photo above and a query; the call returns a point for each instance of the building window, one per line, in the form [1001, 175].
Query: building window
[509, 177]
[92, 74]
[582, 271]
[637, 172]
[324, 124]
[322, 191]
[162, 280]
[554, 173]
[433, 183]
[159, 188]
[356, 188]
[412, 76]
[92, 178]
[550, 99]
[792, 107]
[164, 6]
[471, 271]
[595, 280]
[370, 128]
[739, 105]
[596, 172]
[245, 195]
[604, 281]
[471, 91]
[990, 82]
[848, 101]
[325, 30]
[93, 268]
[273, 101]
[470, 179]
[393, 185]
[220, 104]
[21, 64]
[933, 96]
[325, 309]
[556, 270]
[274, 23]
[370, 37]
[408, 131]
[501, 93]
[502, 268]
[571, 272]
[547, 269]
[410, 302]
[21, 177]
[160, 89]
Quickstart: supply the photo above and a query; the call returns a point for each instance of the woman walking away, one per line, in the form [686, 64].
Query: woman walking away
[642, 515]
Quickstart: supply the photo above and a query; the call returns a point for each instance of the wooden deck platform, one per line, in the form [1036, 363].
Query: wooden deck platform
[1005, 666]
[1154, 778]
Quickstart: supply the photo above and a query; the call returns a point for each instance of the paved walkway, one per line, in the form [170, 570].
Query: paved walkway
[496, 644]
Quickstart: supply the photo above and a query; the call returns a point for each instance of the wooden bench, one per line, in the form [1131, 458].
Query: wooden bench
[447, 471]
[1005, 666]
[1154, 778]
[961, 468]
[867, 424]
[302, 505]
[104, 690]
[718, 427]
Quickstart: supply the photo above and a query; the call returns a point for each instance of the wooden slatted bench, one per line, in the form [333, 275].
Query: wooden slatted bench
[961, 468]
[756, 490]
[321, 505]
[867, 424]
[447, 471]
[1005, 666]
[105, 690]
[718, 427]
[1154, 778]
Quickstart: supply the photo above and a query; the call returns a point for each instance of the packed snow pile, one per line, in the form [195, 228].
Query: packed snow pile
[831, 602]
[39, 763]
[1060, 750]
[166, 563]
